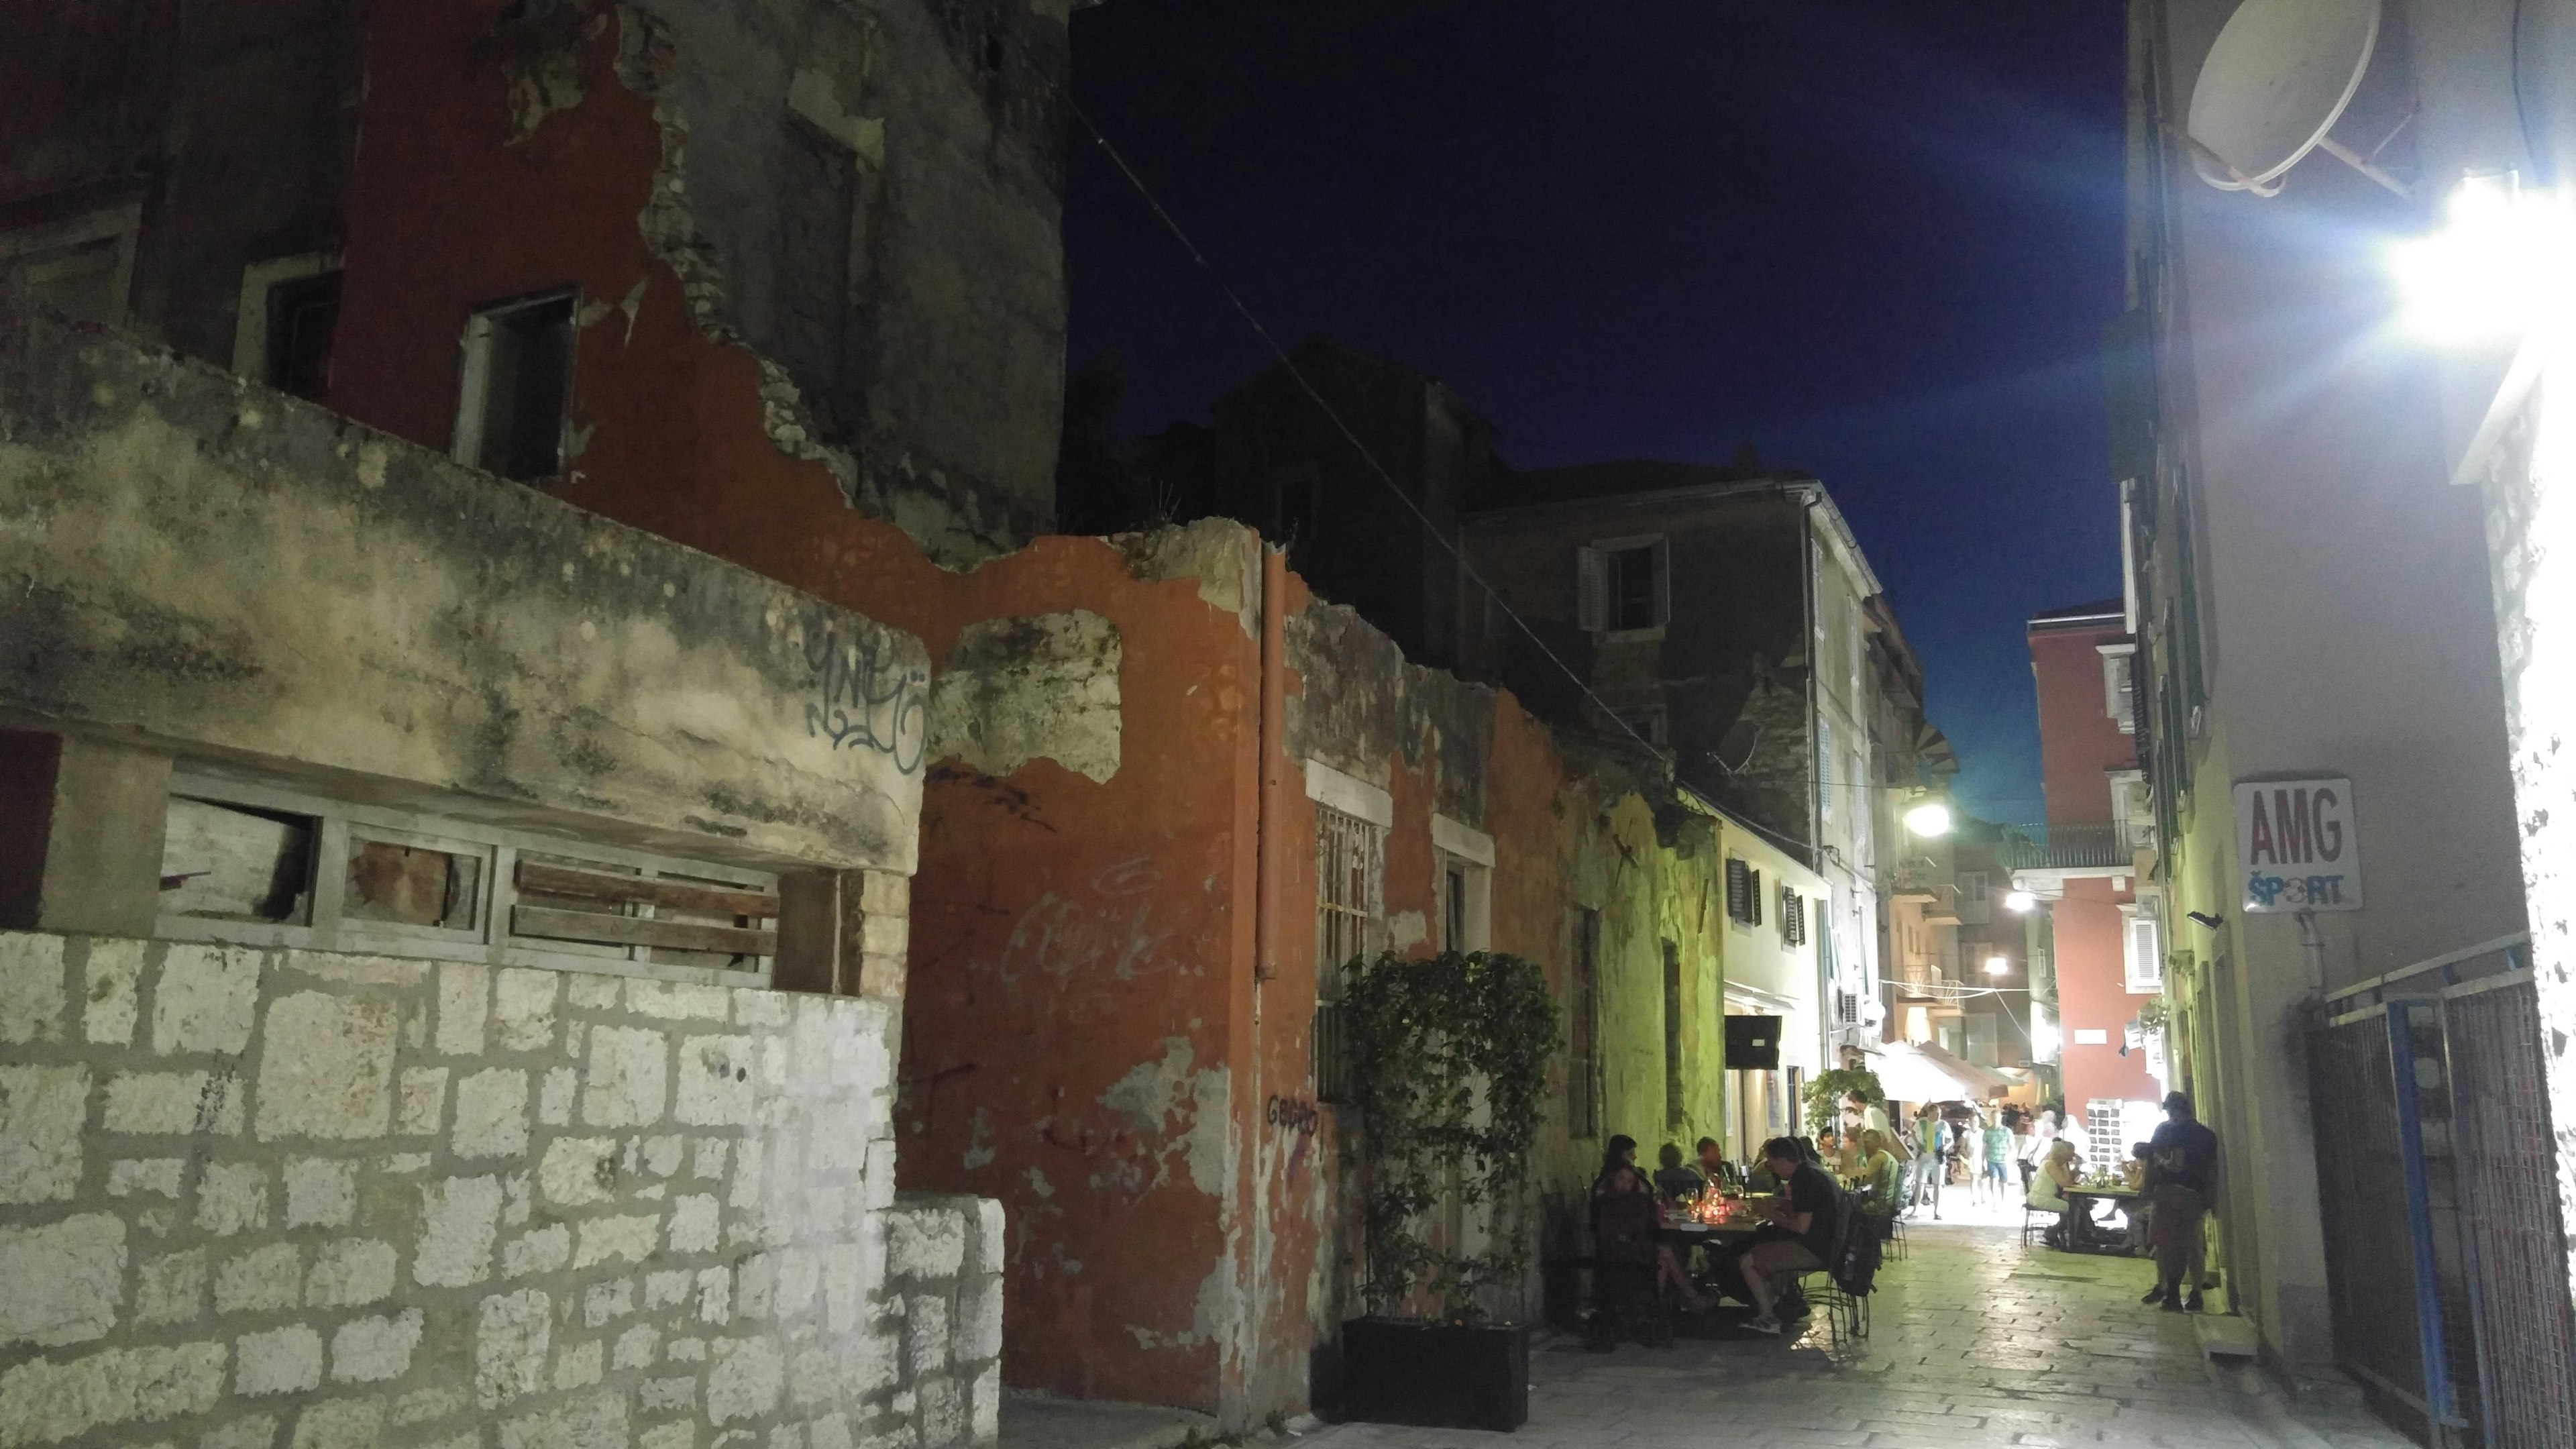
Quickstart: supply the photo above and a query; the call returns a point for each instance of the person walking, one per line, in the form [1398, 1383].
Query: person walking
[2182, 1176]
[1997, 1160]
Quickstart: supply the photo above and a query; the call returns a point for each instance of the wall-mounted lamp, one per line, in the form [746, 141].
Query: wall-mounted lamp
[2020, 901]
[1929, 818]
[2205, 918]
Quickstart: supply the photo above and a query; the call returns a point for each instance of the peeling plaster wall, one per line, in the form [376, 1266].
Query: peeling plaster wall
[205, 566]
[245, 1190]
[818, 244]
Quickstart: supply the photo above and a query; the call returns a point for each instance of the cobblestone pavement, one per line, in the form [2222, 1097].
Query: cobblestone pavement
[1975, 1341]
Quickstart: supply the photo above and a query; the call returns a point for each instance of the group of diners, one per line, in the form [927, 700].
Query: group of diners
[1780, 1225]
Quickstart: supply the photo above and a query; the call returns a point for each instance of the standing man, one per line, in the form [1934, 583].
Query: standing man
[2182, 1178]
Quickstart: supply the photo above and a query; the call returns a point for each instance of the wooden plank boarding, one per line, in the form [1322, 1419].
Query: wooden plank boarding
[632, 931]
[556, 880]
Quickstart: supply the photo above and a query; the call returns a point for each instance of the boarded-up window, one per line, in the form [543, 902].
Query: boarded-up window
[229, 862]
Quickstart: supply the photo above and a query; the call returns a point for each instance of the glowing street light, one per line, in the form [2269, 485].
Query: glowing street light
[2497, 268]
[2021, 902]
[1998, 965]
[1929, 818]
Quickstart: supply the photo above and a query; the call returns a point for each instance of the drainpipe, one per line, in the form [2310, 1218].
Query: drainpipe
[1269, 861]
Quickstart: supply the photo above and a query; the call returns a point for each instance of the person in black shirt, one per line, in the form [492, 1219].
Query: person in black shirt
[2182, 1178]
[1673, 1181]
[1804, 1211]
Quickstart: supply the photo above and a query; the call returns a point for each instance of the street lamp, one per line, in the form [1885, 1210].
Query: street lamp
[1929, 818]
[2020, 902]
[2497, 268]
[1998, 965]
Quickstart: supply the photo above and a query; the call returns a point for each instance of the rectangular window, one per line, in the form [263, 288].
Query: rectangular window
[2119, 689]
[1739, 890]
[1623, 585]
[1350, 868]
[266, 867]
[81, 266]
[282, 330]
[2142, 937]
[1673, 1081]
[1793, 917]
[1583, 1030]
[1981, 1038]
[516, 388]
[1972, 887]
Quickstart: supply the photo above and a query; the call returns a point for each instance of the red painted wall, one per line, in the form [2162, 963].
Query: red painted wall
[2079, 745]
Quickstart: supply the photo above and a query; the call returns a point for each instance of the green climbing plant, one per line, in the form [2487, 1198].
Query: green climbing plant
[1447, 1064]
[1825, 1095]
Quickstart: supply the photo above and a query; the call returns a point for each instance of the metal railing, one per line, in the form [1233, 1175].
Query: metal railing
[2075, 845]
[2437, 1068]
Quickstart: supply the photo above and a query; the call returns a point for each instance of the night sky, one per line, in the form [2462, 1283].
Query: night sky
[1878, 238]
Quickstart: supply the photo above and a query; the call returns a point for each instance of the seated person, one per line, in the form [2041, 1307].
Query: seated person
[1803, 1216]
[1624, 1218]
[1721, 1174]
[1673, 1181]
[1878, 1176]
[2048, 1192]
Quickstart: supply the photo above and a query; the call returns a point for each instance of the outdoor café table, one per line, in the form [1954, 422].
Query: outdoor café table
[2085, 1199]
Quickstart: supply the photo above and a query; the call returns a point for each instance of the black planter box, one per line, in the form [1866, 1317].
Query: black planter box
[1435, 1374]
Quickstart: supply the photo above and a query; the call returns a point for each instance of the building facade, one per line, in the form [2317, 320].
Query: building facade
[2318, 703]
[2089, 867]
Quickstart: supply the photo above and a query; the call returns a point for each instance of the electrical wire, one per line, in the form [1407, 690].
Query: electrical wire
[1162, 214]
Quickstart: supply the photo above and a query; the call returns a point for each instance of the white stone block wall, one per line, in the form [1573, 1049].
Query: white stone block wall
[295, 1198]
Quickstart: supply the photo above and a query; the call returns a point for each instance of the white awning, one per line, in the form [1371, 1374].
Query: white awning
[1911, 1073]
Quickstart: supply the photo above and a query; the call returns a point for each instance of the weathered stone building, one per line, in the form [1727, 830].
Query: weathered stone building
[400, 872]
[594, 275]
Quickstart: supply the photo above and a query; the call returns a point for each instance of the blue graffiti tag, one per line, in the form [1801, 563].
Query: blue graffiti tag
[860, 701]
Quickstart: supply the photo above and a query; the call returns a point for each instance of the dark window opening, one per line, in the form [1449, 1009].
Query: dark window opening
[1632, 593]
[526, 386]
[301, 315]
[1454, 909]
[816, 240]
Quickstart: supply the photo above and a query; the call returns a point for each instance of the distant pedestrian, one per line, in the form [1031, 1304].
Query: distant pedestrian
[1999, 1152]
[2182, 1178]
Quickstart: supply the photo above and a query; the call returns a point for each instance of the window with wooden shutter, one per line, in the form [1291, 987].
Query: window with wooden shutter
[1739, 890]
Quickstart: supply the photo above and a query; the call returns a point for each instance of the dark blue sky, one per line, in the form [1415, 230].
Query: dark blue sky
[1877, 237]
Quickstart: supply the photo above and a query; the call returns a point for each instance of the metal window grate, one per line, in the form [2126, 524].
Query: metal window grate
[1350, 866]
[2509, 1207]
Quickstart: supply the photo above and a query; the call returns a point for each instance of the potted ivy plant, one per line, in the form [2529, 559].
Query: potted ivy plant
[1825, 1093]
[1447, 1066]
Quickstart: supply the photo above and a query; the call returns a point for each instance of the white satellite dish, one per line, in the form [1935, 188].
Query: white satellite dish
[2274, 84]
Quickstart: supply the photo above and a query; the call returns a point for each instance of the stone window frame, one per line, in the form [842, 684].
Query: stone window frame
[1464, 857]
[327, 927]
[250, 322]
[121, 223]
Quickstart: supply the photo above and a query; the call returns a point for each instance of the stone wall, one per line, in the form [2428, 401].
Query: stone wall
[226, 573]
[374, 1200]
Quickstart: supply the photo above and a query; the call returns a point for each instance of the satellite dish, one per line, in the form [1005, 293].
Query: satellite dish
[2274, 84]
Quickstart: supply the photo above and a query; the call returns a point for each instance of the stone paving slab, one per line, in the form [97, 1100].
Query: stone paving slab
[1976, 1341]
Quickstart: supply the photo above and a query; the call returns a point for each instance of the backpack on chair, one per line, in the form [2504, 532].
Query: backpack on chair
[1855, 1264]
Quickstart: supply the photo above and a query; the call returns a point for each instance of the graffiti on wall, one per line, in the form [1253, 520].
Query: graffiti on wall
[862, 702]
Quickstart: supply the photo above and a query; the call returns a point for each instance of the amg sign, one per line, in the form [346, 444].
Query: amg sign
[2298, 845]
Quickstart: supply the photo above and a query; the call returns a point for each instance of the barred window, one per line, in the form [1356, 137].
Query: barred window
[1350, 910]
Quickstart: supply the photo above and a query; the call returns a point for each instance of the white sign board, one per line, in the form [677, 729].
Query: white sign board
[2298, 845]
